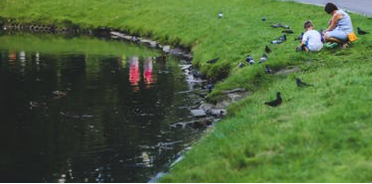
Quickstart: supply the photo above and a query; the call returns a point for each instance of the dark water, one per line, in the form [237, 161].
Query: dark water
[88, 110]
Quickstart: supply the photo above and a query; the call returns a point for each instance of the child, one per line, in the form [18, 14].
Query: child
[312, 40]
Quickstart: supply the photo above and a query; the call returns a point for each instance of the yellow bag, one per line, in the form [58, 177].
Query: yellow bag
[352, 37]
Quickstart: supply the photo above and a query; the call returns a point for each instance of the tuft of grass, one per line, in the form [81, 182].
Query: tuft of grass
[318, 134]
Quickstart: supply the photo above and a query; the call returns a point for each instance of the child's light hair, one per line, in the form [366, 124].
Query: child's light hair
[308, 24]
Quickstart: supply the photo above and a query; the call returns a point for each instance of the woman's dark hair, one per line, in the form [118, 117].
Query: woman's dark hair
[330, 7]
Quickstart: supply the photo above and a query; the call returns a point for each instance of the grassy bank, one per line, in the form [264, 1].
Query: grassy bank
[319, 134]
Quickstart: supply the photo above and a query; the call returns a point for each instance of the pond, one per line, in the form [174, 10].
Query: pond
[83, 109]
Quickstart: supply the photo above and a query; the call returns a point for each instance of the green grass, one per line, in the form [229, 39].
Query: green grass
[319, 134]
[52, 44]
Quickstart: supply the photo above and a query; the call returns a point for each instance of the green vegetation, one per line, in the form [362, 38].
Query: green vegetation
[83, 44]
[319, 134]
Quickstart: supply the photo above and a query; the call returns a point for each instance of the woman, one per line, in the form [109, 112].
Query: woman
[340, 25]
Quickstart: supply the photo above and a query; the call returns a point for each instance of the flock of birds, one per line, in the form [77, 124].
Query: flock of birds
[286, 30]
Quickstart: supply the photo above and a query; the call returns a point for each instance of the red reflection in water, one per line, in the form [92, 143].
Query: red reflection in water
[147, 65]
[134, 76]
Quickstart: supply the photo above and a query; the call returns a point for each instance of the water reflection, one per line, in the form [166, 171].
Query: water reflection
[147, 74]
[134, 76]
[83, 117]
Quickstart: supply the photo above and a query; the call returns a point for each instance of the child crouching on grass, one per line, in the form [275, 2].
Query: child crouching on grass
[312, 39]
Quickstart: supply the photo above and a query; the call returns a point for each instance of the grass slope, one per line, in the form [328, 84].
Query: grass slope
[58, 44]
[319, 134]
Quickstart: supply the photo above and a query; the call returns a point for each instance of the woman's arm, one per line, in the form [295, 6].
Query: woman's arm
[334, 22]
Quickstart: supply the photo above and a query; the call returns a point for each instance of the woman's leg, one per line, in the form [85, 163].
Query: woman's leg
[336, 36]
[332, 39]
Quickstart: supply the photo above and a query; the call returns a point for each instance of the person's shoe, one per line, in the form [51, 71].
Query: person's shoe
[345, 46]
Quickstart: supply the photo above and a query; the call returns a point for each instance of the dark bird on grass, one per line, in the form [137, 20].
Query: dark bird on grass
[276, 102]
[263, 58]
[361, 32]
[280, 39]
[283, 38]
[267, 49]
[285, 26]
[288, 31]
[213, 61]
[220, 15]
[268, 69]
[276, 25]
[263, 19]
[250, 60]
[300, 37]
[241, 65]
[301, 84]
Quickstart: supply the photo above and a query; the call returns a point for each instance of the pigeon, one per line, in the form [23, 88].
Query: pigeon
[285, 26]
[276, 25]
[361, 32]
[288, 31]
[300, 37]
[283, 38]
[263, 19]
[213, 61]
[267, 49]
[267, 69]
[276, 102]
[241, 65]
[280, 39]
[263, 58]
[250, 60]
[276, 42]
[220, 15]
[301, 84]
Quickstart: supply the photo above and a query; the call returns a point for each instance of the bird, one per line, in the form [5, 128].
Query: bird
[250, 60]
[300, 37]
[276, 25]
[268, 69]
[220, 15]
[267, 49]
[263, 19]
[263, 58]
[301, 84]
[241, 65]
[361, 32]
[285, 26]
[288, 31]
[276, 102]
[283, 38]
[213, 61]
[280, 39]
